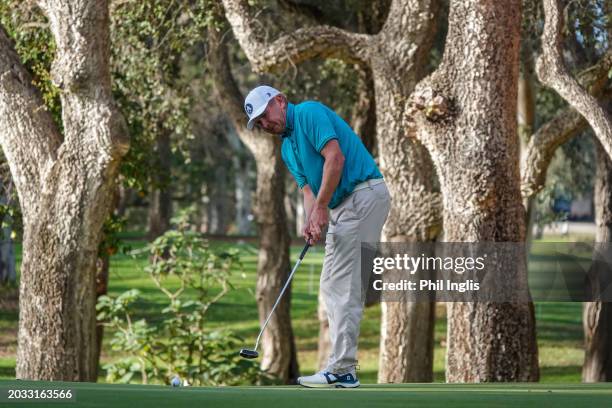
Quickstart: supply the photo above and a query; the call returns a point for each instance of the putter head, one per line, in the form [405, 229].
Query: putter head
[246, 353]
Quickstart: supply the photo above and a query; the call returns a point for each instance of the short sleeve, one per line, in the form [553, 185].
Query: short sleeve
[295, 168]
[317, 125]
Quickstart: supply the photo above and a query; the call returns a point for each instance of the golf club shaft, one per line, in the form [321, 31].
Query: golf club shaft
[297, 264]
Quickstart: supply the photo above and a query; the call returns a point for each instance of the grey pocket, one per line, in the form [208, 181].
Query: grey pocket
[381, 192]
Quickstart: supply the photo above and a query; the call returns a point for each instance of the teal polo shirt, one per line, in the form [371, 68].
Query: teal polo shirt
[310, 125]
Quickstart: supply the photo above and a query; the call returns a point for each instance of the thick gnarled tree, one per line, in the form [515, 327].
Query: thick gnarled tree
[465, 113]
[64, 182]
[585, 108]
[597, 316]
[396, 57]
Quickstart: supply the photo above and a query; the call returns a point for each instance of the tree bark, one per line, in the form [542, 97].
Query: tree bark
[102, 268]
[64, 185]
[526, 114]
[8, 271]
[243, 196]
[407, 333]
[396, 57]
[279, 355]
[363, 117]
[220, 206]
[597, 316]
[278, 344]
[403, 46]
[465, 113]
[160, 204]
[101, 281]
[553, 73]
[560, 129]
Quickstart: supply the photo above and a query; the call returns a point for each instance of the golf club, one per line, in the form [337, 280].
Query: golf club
[246, 353]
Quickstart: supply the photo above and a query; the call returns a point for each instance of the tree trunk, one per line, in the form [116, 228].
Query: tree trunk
[243, 196]
[597, 316]
[102, 267]
[469, 127]
[414, 333]
[102, 273]
[363, 117]
[8, 272]
[65, 184]
[125, 199]
[220, 204]
[407, 332]
[526, 126]
[279, 356]
[160, 204]
[279, 352]
[292, 191]
[406, 340]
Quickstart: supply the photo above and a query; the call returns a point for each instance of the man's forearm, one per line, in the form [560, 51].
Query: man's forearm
[309, 200]
[332, 172]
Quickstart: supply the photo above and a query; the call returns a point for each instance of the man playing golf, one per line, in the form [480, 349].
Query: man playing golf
[334, 171]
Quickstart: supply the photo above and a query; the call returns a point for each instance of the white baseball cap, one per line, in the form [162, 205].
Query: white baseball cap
[256, 101]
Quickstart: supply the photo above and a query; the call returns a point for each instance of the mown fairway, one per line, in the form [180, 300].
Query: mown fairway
[390, 395]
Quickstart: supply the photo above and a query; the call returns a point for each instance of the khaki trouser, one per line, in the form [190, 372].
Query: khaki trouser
[359, 218]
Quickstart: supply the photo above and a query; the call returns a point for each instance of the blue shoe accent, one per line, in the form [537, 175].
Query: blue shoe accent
[328, 377]
[347, 380]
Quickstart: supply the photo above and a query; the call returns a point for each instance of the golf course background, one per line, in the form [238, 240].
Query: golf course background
[559, 327]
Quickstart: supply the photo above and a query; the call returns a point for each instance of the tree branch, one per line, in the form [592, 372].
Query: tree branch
[292, 49]
[228, 91]
[29, 137]
[564, 126]
[552, 72]
[81, 29]
[220, 69]
[542, 146]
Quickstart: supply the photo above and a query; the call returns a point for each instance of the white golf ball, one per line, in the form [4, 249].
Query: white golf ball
[176, 382]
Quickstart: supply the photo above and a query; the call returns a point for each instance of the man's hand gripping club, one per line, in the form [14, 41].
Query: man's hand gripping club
[316, 208]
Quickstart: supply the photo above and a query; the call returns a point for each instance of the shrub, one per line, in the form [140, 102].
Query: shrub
[180, 344]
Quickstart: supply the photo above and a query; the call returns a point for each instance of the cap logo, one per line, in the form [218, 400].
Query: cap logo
[268, 94]
[248, 108]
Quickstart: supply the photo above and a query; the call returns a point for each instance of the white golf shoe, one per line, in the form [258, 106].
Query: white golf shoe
[325, 379]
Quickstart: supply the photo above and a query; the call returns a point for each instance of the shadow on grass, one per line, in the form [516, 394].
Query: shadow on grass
[7, 371]
[10, 317]
[559, 321]
[367, 376]
[564, 374]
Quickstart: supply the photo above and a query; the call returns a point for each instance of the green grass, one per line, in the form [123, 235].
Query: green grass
[558, 324]
[7, 368]
[388, 395]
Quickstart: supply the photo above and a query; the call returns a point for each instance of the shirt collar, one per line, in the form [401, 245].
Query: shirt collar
[289, 120]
